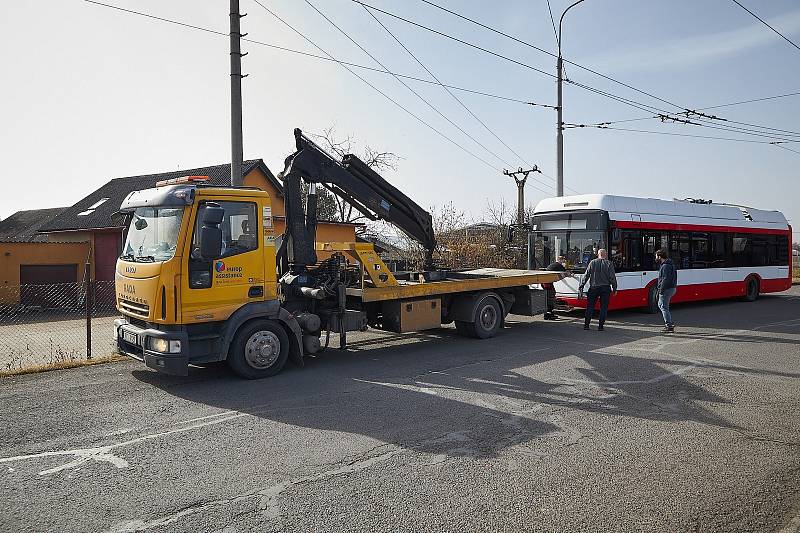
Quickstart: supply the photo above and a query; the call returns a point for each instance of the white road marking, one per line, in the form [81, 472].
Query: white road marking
[103, 453]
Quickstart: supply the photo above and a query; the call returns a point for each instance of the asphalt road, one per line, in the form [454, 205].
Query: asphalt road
[545, 428]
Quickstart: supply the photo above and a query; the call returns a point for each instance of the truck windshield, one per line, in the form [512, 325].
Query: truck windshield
[579, 247]
[153, 234]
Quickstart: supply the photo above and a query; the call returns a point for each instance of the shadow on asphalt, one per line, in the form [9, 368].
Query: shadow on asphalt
[440, 393]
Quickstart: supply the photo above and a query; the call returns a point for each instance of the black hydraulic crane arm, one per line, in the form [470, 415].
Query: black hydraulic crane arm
[356, 183]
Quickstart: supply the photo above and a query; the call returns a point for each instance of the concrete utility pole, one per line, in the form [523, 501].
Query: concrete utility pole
[520, 181]
[236, 95]
[560, 123]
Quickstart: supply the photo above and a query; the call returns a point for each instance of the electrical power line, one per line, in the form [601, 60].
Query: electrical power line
[395, 102]
[316, 56]
[340, 62]
[555, 34]
[749, 101]
[456, 39]
[421, 98]
[779, 145]
[630, 102]
[552, 21]
[765, 23]
[421, 80]
[542, 50]
[456, 98]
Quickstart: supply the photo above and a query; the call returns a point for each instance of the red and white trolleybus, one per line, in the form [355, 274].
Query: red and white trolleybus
[719, 250]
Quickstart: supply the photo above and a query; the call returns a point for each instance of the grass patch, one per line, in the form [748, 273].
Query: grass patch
[60, 365]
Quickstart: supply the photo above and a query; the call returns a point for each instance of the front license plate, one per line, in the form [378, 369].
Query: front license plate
[130, 337]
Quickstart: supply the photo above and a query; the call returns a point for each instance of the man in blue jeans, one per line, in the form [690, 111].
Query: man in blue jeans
[602, 283]
[667, 285]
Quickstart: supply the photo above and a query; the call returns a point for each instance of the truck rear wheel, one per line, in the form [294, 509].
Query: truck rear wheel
[488, 319]
[259, 350]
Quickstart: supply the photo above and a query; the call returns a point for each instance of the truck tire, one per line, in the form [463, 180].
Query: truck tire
[488, 319]
[259, 349]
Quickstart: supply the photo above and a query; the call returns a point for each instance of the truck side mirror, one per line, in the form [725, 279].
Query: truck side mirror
[210, 233]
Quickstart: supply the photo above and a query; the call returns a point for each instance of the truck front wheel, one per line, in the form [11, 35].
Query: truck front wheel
[259, 350]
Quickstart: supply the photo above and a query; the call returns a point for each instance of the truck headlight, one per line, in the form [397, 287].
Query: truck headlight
[174, 346]
[159, 345]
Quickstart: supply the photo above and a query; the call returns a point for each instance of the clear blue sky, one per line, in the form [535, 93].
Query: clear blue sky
[91, 93]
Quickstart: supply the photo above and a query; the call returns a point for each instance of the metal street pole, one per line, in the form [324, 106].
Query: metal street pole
[560, 129]
[560, 124]
[236, 95]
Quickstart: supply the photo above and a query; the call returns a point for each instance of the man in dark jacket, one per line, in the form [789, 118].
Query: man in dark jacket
[667, 285]
[558, 266]
[602, 282]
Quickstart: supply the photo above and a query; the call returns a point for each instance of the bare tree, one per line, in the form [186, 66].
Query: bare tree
[331, 204]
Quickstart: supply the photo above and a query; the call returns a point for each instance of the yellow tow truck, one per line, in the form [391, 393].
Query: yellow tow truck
[203, 277]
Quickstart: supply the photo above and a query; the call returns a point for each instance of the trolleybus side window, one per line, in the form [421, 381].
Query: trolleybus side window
[718, 254]
[740, 250]
[700, 252]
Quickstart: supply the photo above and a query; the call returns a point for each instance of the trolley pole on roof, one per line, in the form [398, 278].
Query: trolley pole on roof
[236, 94]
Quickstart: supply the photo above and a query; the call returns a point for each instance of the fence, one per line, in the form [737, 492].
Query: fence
[54, 323]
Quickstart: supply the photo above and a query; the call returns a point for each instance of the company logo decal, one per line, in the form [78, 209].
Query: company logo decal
[227, 273]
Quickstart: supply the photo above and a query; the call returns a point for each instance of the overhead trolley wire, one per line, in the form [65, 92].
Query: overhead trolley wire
[677, 134]
[422, 80]
[548, 52]
[422, 98]
[604, 93]
[340, 62]
[765, 23]
[779, 145]
[316, 56]
[395, 102]
[466, 43]
[456, 98]
[749, 101]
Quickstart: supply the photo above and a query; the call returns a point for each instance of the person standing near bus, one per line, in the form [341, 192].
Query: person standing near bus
[560, 265]
[667, 285]
[602, 283]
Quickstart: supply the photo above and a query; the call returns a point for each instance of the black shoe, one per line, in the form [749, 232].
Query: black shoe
[586, 326]
[600, 328]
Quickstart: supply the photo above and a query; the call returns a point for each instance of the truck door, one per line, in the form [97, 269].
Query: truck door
[212, 290]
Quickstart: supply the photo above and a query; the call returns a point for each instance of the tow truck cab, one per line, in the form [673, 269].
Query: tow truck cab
[196, 262]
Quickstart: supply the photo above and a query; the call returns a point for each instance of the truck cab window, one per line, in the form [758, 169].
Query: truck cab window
[239, 227]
